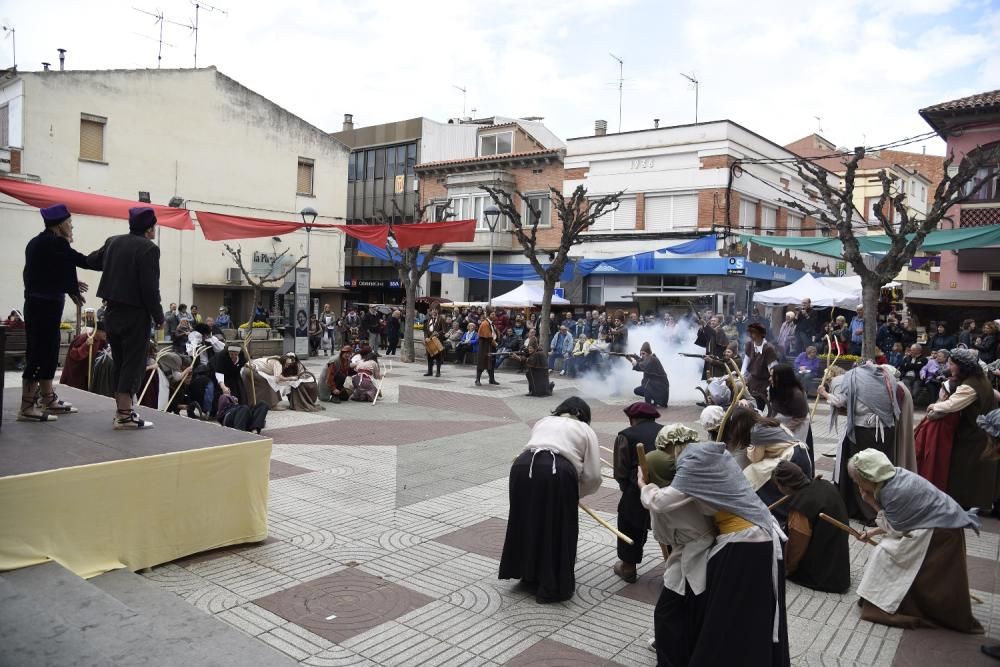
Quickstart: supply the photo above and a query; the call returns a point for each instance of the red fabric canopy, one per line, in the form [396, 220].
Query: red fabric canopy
[431, 233]
[377, 235]
[87, 203]
[222, 227]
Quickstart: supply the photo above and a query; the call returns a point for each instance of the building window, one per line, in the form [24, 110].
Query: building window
[992, 281]
[748, 216]
[304, 181]
[496, 144]
[794, 226]
[4, 126]
[769, 220]
[411, 158]
[351, 163]
[671, 213]
[92, 137]
[544, 206]
[620, 220]
[871, 203]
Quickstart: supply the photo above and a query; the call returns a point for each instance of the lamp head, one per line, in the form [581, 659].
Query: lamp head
[492, 215]
[308, 215]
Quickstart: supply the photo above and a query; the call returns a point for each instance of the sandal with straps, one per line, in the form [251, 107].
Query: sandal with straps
[130, 421]
[25, 414]
[53, 405]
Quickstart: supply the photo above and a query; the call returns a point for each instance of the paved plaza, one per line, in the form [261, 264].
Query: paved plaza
[386, 525]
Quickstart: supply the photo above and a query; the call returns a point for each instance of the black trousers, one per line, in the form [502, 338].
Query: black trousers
[128, 334]
[41, 332]
[245, 418]
[633, 520]
[436, 359]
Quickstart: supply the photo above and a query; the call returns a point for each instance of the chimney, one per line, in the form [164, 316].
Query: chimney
[656, 123]
[348, 121]
[600, 128]
[62, 59]
[46, 66]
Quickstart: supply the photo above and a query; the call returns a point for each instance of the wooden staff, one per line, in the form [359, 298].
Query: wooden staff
[620, 535]
[187, 371]
[90, 359]
[847, 529]
[246, 353]
[608, 449]
[778, 502]
[378, 388]
[743, 387]
[152, 374]
[826, 372]
[640, 452]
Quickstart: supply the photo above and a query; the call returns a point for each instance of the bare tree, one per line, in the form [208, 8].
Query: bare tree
[576, 213]
[412, 266]
[272, 275]
[906, 232]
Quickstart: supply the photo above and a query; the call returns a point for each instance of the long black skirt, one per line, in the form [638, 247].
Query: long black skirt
[542, 526]
[864, 438]
[740, 595]
[677, 623]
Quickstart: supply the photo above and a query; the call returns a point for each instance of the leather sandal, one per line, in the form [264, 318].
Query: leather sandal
[30, 412]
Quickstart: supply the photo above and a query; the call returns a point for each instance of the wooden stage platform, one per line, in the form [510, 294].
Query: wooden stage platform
[94, 499]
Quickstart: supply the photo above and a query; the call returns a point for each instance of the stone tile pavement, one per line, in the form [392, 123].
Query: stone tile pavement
[385, 529]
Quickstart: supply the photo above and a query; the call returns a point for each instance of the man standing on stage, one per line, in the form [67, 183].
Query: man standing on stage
[49, 275]
[633, 519]
[131, 285]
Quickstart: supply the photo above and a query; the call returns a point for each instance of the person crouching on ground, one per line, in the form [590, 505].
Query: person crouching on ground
[655, 387]
[366, 372]
[633, 519]
[559, 465]
[338, 372]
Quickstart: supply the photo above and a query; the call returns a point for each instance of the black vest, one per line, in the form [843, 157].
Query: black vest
[644, 432]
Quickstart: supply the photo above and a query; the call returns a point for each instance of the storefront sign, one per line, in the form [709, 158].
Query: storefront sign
[383, 284]
[262, 263]
[736, 267]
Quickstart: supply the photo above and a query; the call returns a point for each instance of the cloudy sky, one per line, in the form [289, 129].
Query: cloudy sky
[863, 67]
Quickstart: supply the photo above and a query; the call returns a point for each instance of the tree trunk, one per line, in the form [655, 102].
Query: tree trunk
[871, 288]
[255, 296]
[543, 324]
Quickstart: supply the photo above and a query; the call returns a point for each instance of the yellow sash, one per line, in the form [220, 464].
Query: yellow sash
[727, 522]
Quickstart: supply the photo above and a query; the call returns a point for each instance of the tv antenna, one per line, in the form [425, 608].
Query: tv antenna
[160, 20]
[198, 6]
[621, 84]
[8, 30]
[693, 79]
[464, 91]
[819, 124]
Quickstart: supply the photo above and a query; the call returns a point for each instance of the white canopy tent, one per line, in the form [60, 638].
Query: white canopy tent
[525, 296]
[808, 287]
[849, 284]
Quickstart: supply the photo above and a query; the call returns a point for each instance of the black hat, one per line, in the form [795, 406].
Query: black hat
[140, 218]
[759, 328]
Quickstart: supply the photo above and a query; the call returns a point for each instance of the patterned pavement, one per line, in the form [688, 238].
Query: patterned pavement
[386, 524]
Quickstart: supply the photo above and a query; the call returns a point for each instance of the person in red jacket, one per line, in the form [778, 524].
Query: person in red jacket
[83, 350]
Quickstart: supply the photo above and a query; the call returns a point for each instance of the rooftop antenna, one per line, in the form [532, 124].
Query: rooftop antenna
[160, 19]
[693, 79]
[198, 6]
[819, 124]
[464, 91]
[9, 32]
[621, 84]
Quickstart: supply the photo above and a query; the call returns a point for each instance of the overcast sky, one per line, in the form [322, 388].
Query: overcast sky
[862, 67]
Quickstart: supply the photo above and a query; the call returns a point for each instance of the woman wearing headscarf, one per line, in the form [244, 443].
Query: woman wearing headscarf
[559, 465]
[917, 576]
[690, 535]
[338, 373]
[275, 378]
[366, 372]
[745, 577]
[972, 481]
[879, 416]
[787, 403]
[817, 555]
[765, 442]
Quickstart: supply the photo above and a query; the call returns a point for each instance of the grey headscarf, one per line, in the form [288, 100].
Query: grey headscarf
[911, 502]
[990, 422]
[770, 435]
[871, 385]
[965, 359]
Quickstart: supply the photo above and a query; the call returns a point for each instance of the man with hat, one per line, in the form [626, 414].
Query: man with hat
[131, 285]
[759, 358]
[49, 275]
[633, 519]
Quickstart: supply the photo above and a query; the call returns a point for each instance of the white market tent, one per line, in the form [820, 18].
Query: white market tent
[849, 284]
[808, 287]
[525, 296]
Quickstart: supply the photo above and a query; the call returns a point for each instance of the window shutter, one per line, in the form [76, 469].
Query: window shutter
[659, 214]
[625, 215]
[304, 182]
[769, 220]
[91, 140]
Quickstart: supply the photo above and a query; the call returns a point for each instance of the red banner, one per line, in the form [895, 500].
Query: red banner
[377, 235]
[432, 233]
[87, 203]
[223, 227]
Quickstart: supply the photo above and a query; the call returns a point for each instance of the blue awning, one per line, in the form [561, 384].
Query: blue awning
[437, 265]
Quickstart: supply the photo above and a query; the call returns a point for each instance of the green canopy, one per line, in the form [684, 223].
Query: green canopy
[945, 239]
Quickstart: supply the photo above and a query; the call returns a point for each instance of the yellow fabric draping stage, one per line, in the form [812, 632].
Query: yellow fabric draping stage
[95, 499]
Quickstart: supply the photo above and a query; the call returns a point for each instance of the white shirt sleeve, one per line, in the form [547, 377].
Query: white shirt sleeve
[590, 476]
[664, 499]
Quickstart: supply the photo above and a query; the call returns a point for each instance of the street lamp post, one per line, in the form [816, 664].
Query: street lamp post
[492, 216]
[308, 219]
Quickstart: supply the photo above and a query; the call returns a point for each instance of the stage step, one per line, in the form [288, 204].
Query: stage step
[49, 616]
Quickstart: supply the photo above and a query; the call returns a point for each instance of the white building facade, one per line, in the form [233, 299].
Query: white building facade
[193, 136]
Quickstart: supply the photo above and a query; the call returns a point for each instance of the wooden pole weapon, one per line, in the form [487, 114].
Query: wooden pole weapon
[152, 374]
[826, 372]
[194, 357]
[743, 387]
[246, 353]
[778, 502]
[90, 359]
[620, 535]
[847, 529]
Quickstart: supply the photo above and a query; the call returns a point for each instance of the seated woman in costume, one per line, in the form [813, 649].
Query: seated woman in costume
[817, 555]
[916, 577]
[745, 577]
[275, 378]
[690, 535]
[765, 442]
[78, 367]
[366, 372]
[338, 373]
[560, 464]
